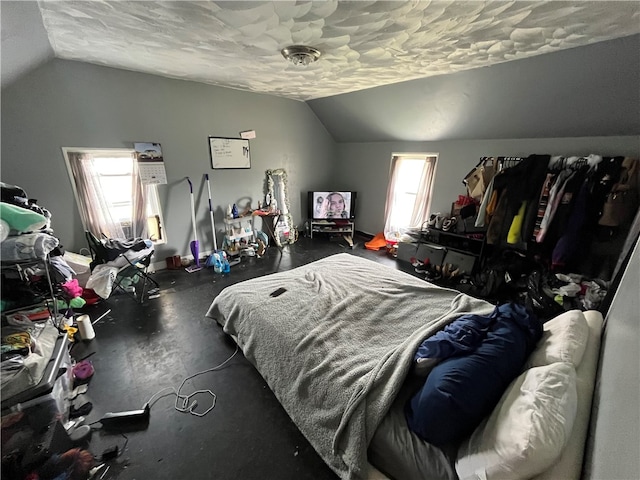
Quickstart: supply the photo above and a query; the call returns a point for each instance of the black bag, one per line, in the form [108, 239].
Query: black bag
[622, 202]
[478, 179]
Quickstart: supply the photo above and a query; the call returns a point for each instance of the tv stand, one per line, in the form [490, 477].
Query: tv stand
[332, 227]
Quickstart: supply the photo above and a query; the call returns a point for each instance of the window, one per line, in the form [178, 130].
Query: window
[111, 199]
[409, 193]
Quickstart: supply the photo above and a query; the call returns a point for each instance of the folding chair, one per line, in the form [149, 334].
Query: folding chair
[132, 265]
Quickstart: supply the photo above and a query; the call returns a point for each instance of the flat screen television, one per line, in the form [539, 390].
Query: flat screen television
[332, 205]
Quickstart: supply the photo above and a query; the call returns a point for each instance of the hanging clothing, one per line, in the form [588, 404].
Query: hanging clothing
[513, 237]
[543, 203]
[564, 211]
[515, 185]
[566, 247]
[623, 200]
[478, 179]
[555, 195]
[482, 213]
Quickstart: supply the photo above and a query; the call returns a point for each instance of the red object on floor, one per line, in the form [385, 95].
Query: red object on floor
[90, 296]
[34, 314]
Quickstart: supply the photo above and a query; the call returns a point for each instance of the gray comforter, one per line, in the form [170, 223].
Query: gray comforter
[336, 346]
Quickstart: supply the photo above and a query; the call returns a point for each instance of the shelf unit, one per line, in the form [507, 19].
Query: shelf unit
[239, 229]
[461, 250]
[455, 241]
[332, 227]
[48, 293]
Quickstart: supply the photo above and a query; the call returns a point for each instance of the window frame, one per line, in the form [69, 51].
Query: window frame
[128, 153]
[430, 157]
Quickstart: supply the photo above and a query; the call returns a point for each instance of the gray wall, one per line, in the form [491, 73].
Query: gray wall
[612, 451]
[583, 91]
[71, 104]
[365, 166]
[25, 43]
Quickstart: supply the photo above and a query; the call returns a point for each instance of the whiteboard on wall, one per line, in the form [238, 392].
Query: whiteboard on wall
[229, 152]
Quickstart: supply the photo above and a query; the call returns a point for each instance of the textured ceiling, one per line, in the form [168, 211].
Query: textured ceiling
[364, 44]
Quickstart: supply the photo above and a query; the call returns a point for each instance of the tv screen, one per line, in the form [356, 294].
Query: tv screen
[332, 205]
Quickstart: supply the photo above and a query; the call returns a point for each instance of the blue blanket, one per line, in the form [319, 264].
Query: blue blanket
[480, 356]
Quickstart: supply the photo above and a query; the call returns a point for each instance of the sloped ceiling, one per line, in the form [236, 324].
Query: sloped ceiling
[388, 71]
[585, 91]
[364, 44]
[25, 44]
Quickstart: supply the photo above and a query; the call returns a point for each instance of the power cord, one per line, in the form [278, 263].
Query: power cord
[183, 403]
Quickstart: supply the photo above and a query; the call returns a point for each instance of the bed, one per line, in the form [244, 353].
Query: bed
[335, 341]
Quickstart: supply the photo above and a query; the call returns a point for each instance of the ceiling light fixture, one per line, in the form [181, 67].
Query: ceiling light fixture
[300, 54]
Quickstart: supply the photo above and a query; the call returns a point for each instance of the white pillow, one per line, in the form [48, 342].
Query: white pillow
[564, 339]
[527, 431]
[569, 465]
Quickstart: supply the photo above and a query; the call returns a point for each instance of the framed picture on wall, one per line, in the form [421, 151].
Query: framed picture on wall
[229, 153]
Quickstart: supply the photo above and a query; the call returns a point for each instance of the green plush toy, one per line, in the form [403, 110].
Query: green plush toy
[21, 219]
[77, 302]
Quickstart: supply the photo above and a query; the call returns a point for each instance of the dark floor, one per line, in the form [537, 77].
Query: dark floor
[141, 349]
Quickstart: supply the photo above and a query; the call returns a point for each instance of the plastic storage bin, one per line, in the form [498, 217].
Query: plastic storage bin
[49, 399]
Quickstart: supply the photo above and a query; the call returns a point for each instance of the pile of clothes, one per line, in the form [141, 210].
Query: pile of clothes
[26, 241]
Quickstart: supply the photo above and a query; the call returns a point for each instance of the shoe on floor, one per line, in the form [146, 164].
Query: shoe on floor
[81, 411]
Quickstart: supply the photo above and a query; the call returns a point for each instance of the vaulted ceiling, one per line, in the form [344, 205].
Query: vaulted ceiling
[363, 44]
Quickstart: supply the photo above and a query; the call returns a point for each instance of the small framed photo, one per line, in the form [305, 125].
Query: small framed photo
[229, 153]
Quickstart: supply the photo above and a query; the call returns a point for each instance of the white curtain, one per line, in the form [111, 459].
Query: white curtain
[93, 205]
[139, 225]
[390, 229]
[422, 206]
[395, 220]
